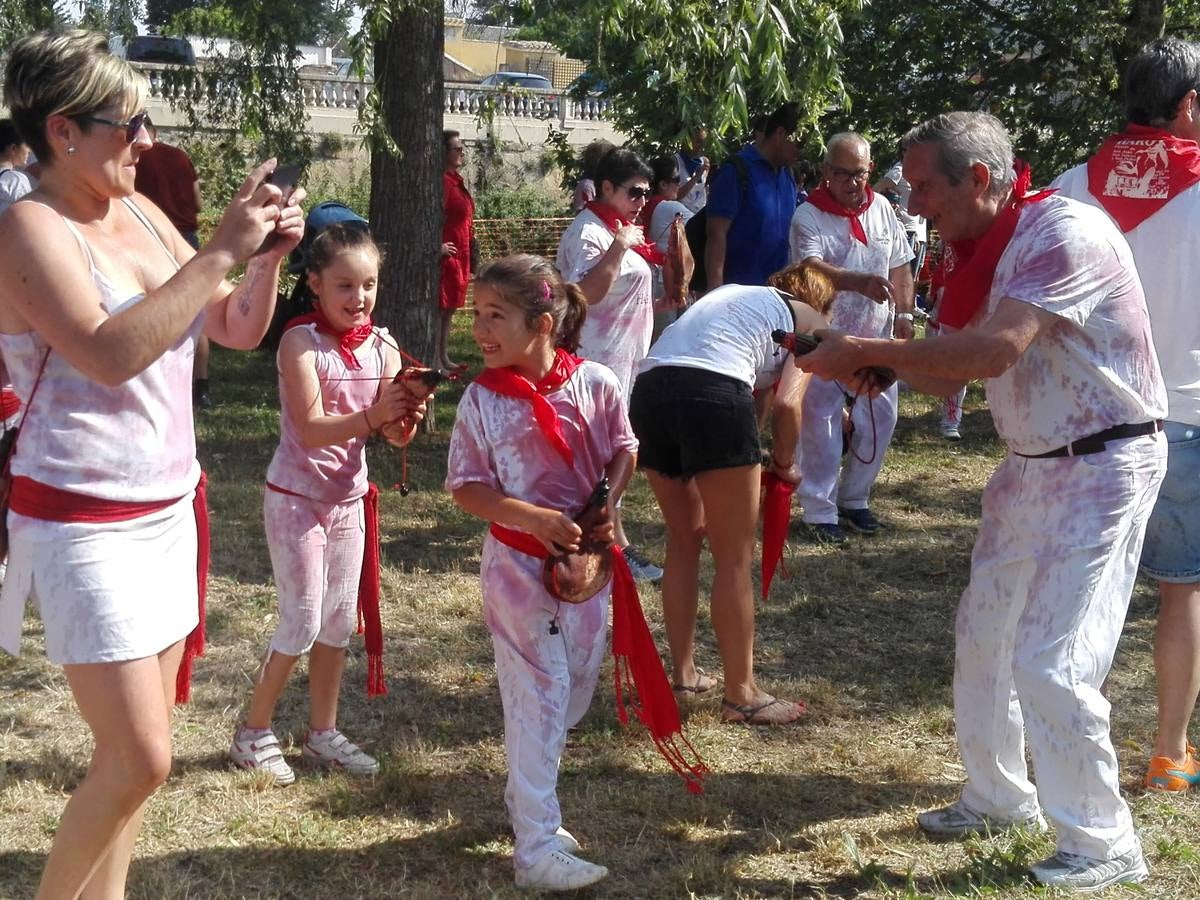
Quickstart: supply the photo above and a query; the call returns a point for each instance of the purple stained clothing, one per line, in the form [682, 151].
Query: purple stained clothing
[1097, 368]
[546, 679]
[338, 472]
[618, 328]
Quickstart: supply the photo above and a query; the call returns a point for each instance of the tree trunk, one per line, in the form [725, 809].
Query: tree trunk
[406, 189]
[1146, 22]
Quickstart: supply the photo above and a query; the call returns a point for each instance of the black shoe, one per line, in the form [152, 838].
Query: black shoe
[860, 520]
[200, 399]
[824, 533]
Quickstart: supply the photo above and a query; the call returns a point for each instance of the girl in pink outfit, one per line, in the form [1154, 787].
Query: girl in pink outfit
[336, 387]
[527, 450]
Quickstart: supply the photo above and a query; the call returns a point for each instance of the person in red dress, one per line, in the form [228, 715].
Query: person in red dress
[458, 227]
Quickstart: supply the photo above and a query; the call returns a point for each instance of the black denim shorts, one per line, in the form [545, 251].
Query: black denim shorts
[691, 420]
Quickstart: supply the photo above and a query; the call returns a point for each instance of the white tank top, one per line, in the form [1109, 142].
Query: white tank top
[338, 472]
[134, 442]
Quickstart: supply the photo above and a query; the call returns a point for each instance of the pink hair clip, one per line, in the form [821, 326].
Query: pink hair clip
[546, 292]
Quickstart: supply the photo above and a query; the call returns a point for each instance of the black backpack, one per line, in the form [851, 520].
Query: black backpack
[696, 228]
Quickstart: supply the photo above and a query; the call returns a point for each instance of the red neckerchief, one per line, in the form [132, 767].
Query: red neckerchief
[508, 382]
[1134, 174]
[610, 217]
[348, 341]
[825, 202]
[971, 266]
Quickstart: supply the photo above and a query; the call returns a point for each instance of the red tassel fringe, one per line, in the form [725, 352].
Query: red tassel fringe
[193, 646]
[369, 621]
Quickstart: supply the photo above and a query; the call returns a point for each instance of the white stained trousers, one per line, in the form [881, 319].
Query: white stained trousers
[820, 449]
[546, 685]
[1051, 576]
[952, 410]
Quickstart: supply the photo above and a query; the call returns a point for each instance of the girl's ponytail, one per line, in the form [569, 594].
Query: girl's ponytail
[573, 318]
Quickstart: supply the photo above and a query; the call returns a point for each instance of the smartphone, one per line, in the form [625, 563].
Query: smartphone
[285, 178]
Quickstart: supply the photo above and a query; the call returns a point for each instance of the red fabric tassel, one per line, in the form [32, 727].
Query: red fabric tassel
[368, 596]
[777, 515]
[193, 645]
[641, 682]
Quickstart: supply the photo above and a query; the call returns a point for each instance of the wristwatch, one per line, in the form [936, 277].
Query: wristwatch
[904, 316]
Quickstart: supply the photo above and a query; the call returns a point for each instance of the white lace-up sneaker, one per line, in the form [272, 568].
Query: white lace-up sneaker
[956, 820]
[559, 870]
[567, 840]
[1086, 875]
[334, 750]
[261, 753]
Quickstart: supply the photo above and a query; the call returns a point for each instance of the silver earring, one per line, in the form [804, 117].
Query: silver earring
[70, 150]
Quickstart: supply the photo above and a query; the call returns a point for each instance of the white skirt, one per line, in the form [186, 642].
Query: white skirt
[106, 591]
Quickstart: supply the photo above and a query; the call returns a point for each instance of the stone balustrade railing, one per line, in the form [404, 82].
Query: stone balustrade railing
[330, 92]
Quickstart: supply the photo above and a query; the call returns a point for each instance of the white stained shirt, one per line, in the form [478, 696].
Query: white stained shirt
[1096, 369]
[728, 331]
[827, 237]
[1166, 248]
[697, 197]
[915, 224]
[618, 328]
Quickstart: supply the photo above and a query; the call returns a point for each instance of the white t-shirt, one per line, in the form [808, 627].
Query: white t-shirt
[1166, 248]
[915, 224]
[617, 330]
[1098, 367]
[728, 331]
[13, 186]
[827, 237]
[698, 195]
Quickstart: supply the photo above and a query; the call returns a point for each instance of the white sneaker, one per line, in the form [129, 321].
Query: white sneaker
[1086, 875]
[559, 870]
[261, 753]
[566, 840]
[640, 567]
[956, 821]
[951, 433]
[335, 751]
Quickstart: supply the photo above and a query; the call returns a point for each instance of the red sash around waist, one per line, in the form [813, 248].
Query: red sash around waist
[43, 501]
[639, 679]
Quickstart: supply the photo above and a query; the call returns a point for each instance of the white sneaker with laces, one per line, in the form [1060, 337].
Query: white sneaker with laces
[334, 750]
[261, 753]
[641, 568]
[956, 820]
[1086, 875]
[567, 840]
[559, 870]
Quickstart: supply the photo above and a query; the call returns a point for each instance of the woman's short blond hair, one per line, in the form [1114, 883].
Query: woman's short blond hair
[807, 284]
[67, 73]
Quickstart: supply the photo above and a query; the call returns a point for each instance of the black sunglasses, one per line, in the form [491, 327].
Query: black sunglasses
[132, 127]
[635, 193]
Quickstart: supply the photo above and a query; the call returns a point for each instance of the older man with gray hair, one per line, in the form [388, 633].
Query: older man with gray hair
[1053, 317]
[851, 234]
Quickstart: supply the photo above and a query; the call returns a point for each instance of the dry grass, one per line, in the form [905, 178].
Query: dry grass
[820, 810]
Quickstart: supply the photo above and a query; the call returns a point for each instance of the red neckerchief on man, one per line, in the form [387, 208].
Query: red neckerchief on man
[348, 341]
[610, 217]
[971, 265]
[1134, 174]
[640, 680]
[823, 200]
[508, 382]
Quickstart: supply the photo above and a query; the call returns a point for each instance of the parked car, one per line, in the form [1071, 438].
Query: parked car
[518, 79]
[155, 48]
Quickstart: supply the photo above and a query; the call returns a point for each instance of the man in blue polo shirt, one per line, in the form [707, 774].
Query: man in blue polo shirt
[750, 205]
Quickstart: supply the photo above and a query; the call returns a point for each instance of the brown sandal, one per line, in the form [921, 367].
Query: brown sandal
[754, 715]
[704, 684]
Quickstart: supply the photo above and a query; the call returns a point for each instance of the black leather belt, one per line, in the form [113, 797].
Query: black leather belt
[1096, 443]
